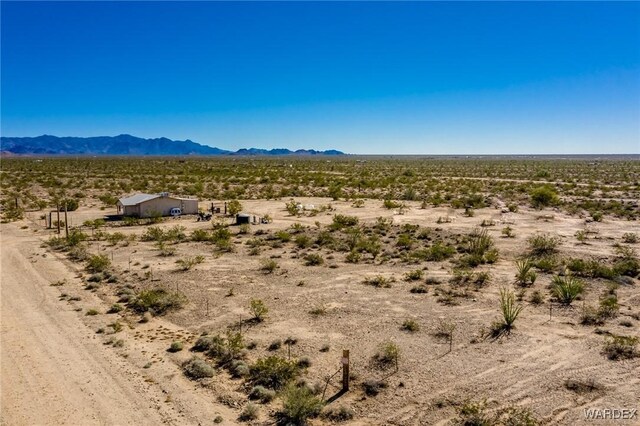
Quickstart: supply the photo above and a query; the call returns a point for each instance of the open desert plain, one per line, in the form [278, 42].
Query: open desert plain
[466, 291]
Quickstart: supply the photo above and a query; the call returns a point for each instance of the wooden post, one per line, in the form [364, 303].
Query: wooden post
[207, 307]
[450, 342]
[550, 307]
[58, 216]
[345, 370]
[129, 263]
[66, 222]
[225, 208]
[50, 221]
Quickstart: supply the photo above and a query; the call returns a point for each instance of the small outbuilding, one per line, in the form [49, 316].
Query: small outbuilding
[242, 218]
[148, 205]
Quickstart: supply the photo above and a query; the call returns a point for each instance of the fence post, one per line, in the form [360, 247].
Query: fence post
[66, 222]
[345, 370]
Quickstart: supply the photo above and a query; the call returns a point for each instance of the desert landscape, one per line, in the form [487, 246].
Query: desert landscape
[469, 290]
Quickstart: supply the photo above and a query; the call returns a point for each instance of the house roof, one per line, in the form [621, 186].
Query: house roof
[141, 198]
[137, 199]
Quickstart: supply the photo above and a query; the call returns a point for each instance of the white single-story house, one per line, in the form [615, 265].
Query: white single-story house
[147, 205]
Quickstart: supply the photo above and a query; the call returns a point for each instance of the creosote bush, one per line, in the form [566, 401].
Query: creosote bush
[273, 372]
[258, 309]
[158, 301]
[299, 404]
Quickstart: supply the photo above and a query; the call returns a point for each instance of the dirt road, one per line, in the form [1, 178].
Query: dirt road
[54, 369]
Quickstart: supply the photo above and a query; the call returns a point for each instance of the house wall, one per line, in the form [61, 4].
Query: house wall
[164, 206]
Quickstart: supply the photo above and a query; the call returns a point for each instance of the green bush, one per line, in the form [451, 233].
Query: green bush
[268, 266]
[541, 245]
[299, 404]
[566, 289]
[258, 309]
[543, 196]
[158, 301]
[273, 372]
[313, 259]
[98, 263]
[388, 354]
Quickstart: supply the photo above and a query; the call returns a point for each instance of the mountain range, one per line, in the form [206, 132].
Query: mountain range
[129, 145]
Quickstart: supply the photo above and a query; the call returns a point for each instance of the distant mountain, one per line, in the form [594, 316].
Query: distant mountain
[128, 145]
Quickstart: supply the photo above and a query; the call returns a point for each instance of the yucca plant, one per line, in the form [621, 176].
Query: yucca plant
[566, 289]
[525, 275]
[510, 309]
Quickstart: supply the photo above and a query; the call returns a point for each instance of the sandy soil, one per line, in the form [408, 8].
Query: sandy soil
[56, 371]
[529, 368]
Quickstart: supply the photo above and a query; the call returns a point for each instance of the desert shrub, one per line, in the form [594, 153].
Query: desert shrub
[157, 300]
[153, 233]
[250, 412]
[444, 329]
[378, 281]
[473, 414]
[283, 236]
[630, 238]
[273, 372]
[207, 343]
[303, 241]
[627, 263]
[543, 196]
[390, 204]
[75, 238]
[566, 289]
[414, 275]
[410, 325]
[621, 347]
[546, 263]
[299, 404]
[541, 245]
[92, 312]
[507, 232]
[176, 347]
[341, 221]
[262, 394]
[268, 266]
[404, 241]
[197, 368]
[373, 387]
[313, 259]
[258, 309]
[479, 249]
[239, 369]
[234, 207]
[536, 298]
[275, 345]
[115, 308]
[387, 354]
[353, 256]
[98, 263]
[341, 413]
[438, 252]
[189, 262]
[525, 276]
[200, 235]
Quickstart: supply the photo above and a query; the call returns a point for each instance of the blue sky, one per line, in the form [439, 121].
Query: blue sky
[369, 78]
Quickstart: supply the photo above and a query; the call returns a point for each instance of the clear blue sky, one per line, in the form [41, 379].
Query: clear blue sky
[393, 78]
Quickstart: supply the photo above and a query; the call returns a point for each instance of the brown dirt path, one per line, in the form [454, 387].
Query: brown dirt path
[53, 368]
